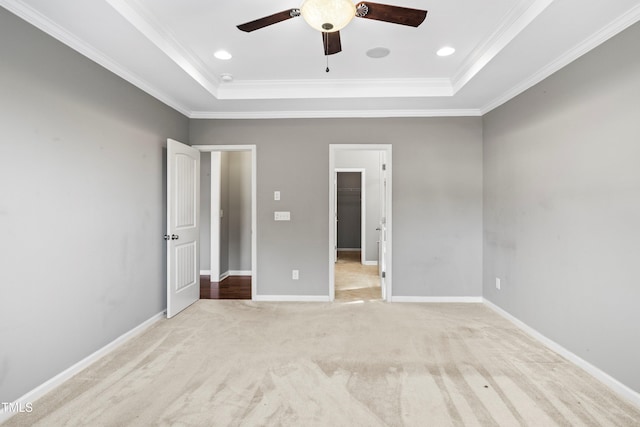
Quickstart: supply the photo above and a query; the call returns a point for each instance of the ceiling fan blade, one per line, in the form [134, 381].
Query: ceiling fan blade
[388, 13]
[269, 20]
[331, 42]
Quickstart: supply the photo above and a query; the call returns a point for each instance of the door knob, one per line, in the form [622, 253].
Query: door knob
[166, 237]
[174, 237]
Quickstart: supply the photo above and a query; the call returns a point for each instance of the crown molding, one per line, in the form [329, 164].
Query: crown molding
[614, 27]
[46, 25]
[144, 21]
[344, 88]
[518, 18]
[335, 114]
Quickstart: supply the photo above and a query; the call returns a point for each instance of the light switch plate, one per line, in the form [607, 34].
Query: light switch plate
[282, 216]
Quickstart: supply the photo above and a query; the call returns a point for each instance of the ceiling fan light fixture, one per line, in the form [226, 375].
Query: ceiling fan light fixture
[328, 16]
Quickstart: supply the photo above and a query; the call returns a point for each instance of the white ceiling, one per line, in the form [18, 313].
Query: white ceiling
[166, 48]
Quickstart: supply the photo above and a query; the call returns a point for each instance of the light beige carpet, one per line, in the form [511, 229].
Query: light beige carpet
[243, 363]
[354, 281]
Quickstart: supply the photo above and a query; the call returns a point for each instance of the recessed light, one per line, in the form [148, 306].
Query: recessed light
[446, 51]
[226, 77]
[378, 52]
[222, 54]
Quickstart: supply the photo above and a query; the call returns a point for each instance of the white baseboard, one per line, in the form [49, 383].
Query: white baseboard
[227, 273]
[63, 376]
[622, 390]
[437, 299]
[370, 263]
[294, 298]
[239, 273]
[349, 249]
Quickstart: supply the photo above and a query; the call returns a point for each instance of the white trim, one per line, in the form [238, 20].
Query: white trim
[46, 25]
[615, 385]
[143, 20]
[334, 114]
[239, 273]
[466, 300]
[65, 375]
[254, 204]
[229, 273]
[292, 298]
[208, 148]
[518, 18]
[349, 250]
[343, 88]
[616, 26]
[370, 263]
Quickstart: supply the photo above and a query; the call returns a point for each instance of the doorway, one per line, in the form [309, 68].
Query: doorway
[354, 279]
[360, 266]
[229, 222]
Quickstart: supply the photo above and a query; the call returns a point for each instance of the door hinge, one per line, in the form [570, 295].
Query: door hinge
[384, 166]
[384, 274]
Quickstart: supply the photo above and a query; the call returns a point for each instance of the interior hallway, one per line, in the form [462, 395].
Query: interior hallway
[355, 281]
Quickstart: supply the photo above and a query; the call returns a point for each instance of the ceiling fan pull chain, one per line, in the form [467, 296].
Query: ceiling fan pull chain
[326, 49]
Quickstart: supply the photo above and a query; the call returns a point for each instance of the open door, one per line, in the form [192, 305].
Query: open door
[382, 228]
[183, 226]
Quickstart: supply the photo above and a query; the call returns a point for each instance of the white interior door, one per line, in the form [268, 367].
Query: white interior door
[335, 216]
[382, 238]
[183, 226]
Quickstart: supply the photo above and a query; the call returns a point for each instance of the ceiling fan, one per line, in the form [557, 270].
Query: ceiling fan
[330, 16]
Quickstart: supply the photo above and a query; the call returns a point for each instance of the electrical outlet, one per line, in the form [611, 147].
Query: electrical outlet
[295, 274]
[498, 283]
[276, 195]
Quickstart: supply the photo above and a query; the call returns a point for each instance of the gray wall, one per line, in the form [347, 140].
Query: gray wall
[224, 206]
[81, 206]
[371, 162]
[205, 211]
[562, 207]
[239, 211]
[437, 198]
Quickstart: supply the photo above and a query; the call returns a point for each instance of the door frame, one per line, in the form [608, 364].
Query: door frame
[254, 205]
[387, 149]
[363, 208]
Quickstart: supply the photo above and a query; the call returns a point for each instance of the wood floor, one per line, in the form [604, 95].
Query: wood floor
[233, 287]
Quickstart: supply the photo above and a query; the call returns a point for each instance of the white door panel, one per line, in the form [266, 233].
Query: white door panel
[183, 226]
